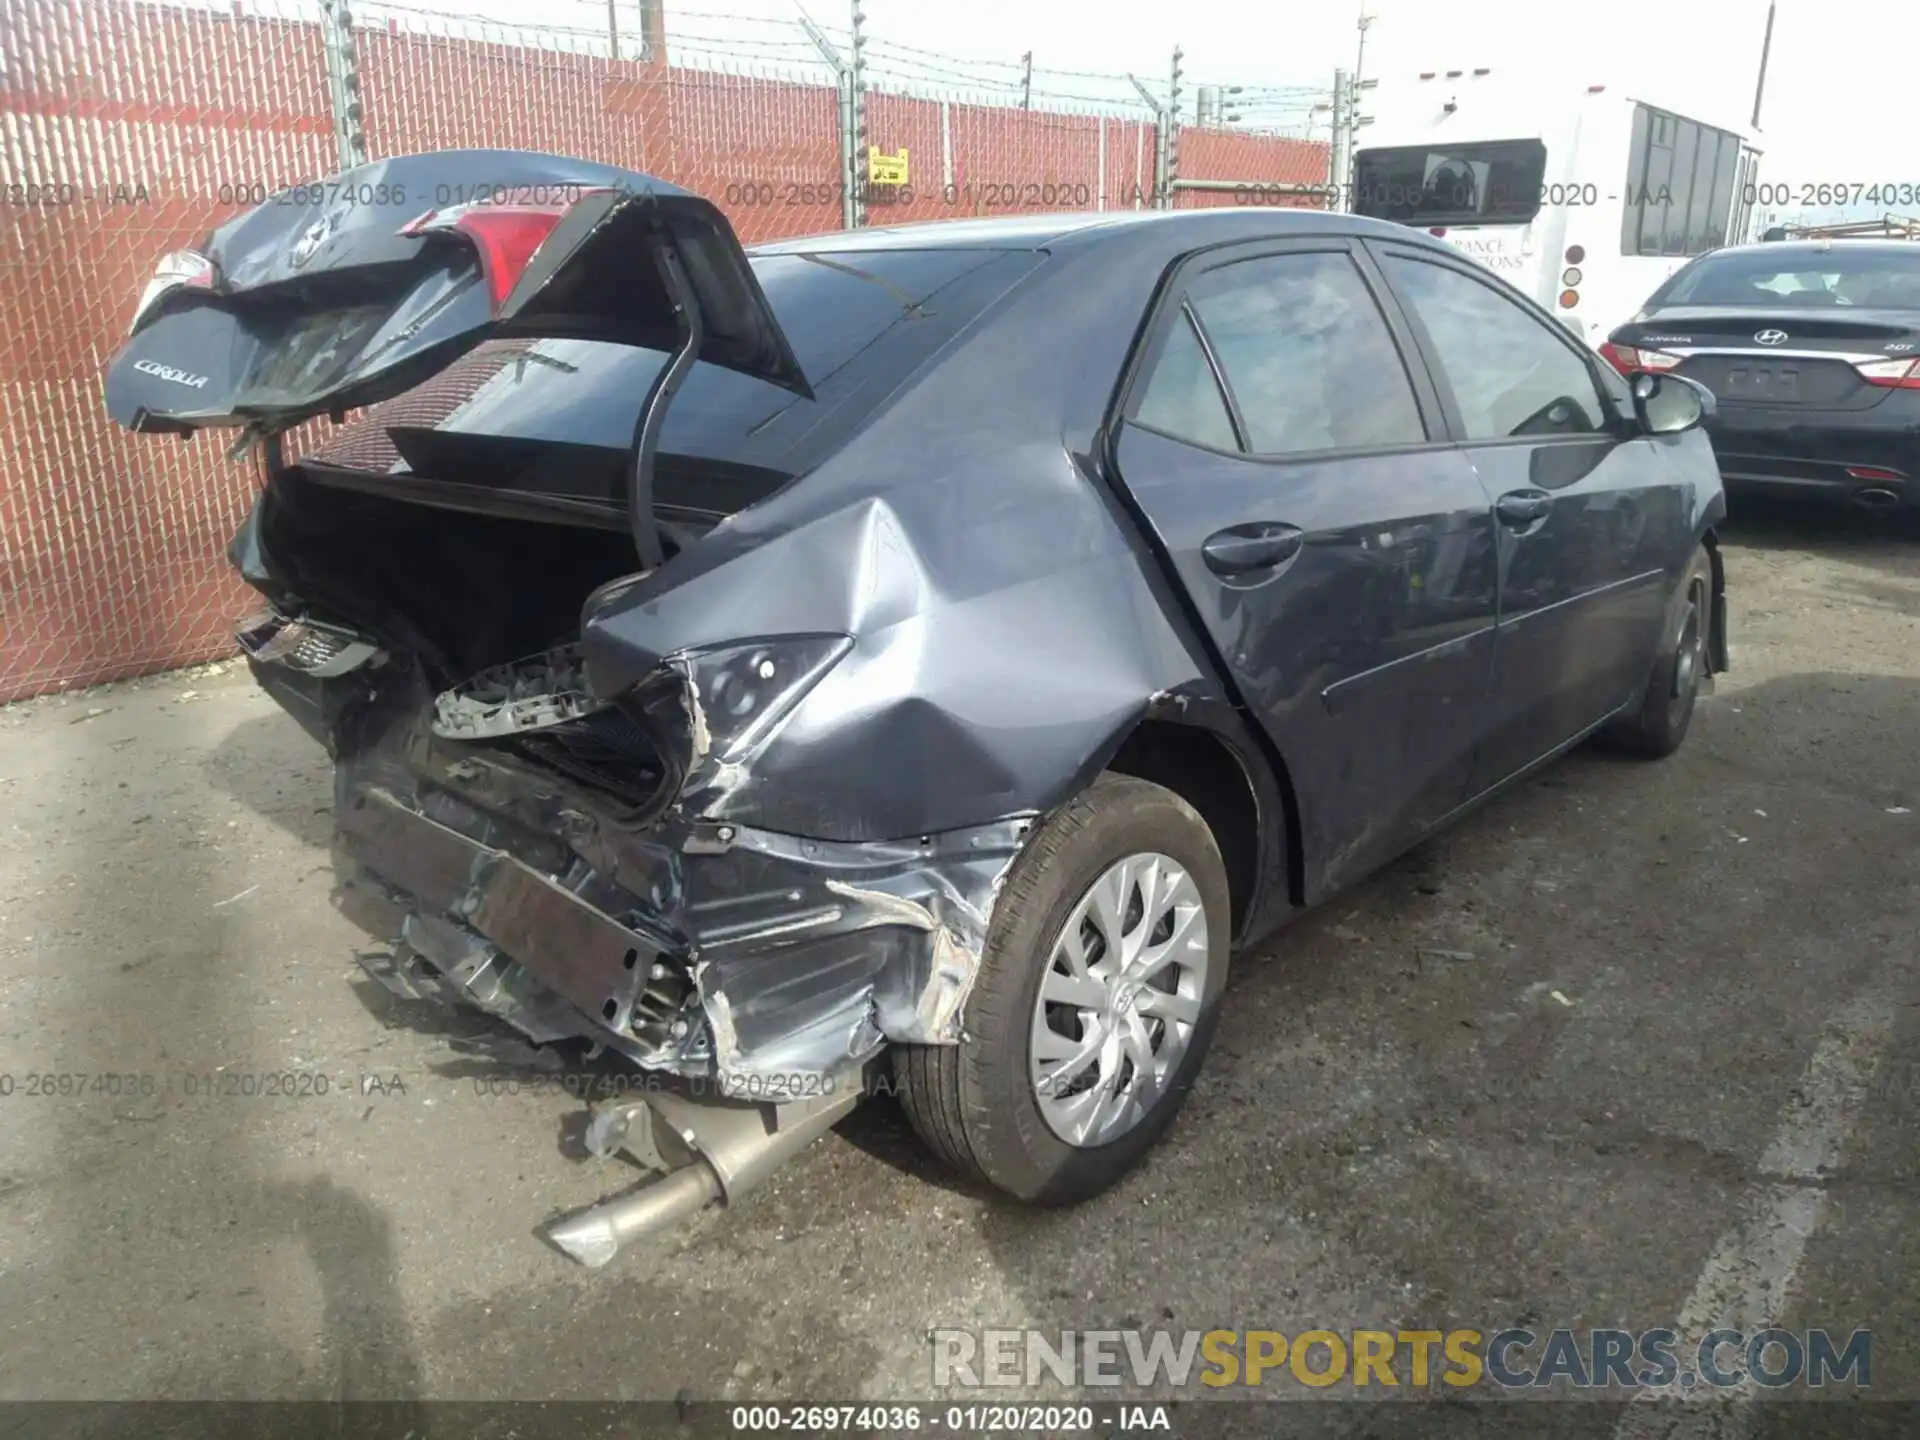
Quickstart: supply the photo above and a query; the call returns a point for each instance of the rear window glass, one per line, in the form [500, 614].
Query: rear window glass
[1838, 278]
[1306, 353]
[1492, 183]
[859, 323]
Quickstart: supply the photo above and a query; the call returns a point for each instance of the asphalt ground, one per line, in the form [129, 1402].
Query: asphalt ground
[1636, 1043]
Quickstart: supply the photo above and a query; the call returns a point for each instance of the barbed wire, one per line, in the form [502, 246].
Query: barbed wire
[781, 41]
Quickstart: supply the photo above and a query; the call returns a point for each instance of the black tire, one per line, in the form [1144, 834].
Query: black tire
[973, 1103]
[1658, 727]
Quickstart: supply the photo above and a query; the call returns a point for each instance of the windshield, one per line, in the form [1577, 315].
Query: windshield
[1835, 278]
[1496, 182]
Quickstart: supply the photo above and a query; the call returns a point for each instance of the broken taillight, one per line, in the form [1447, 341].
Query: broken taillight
[1628, 360]
[181, 268]
[506, 233]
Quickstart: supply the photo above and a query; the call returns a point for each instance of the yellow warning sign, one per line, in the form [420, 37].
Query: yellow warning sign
[886, 169]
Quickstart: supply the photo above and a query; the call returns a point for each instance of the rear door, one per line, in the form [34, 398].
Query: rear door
[1592, 518]
[1335, 547]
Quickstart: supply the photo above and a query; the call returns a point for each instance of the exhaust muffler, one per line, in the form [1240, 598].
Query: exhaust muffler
[1875, 499]
[705, 1150]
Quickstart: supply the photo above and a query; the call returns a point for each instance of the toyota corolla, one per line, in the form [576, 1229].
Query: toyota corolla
[933, 650]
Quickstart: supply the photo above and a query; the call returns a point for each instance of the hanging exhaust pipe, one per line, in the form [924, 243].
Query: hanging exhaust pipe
[595, 1236]
[706, 1150]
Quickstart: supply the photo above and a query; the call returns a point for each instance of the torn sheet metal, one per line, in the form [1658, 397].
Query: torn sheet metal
[720, 952]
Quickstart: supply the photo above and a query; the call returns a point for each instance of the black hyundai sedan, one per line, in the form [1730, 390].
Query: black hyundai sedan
[1812, 349]
[921, 655]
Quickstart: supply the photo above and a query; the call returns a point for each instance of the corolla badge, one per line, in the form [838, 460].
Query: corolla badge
[167, 372]
[1771, 337]
[313, 238]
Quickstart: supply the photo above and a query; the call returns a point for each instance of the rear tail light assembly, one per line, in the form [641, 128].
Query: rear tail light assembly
[1891, 374]
[182, 269]
[1629, 360]
[506, 234]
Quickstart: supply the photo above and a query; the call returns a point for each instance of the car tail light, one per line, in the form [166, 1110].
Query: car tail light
[1627, 359]
[1874, 472]
[711, 711]
[1893, 374]
[505, 234]
[1569, 299]
[1576, 254]
[187, 269]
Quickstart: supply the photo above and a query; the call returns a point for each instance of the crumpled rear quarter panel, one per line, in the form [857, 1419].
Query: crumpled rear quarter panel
[1008, 628]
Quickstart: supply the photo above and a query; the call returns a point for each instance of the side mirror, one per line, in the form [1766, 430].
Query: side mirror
[1668, 404]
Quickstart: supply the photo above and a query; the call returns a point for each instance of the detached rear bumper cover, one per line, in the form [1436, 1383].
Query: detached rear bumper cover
[757, 961]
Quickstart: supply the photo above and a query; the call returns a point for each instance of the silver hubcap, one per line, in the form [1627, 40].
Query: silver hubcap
[1119, 1000]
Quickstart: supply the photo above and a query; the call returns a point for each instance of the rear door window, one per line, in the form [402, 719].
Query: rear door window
[1183, 399]
[1511, 372]
[1308, 359]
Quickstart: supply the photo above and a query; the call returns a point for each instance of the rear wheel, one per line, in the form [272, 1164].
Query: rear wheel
[1659, 726]
[1096, 1000]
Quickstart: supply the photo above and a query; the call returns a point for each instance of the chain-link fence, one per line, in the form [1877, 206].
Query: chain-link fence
[128, 129]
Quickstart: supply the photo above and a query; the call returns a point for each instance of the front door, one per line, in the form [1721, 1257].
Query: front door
[1586, 510]
[1336, 548]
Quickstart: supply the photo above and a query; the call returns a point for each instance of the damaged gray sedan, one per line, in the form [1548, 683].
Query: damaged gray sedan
[936, 648]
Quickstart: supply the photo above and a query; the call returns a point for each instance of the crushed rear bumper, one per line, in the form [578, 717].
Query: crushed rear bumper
[757, 962]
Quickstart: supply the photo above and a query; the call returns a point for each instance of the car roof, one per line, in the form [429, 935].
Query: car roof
[1180, 229]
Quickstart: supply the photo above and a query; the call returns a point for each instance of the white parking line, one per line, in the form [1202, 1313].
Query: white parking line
[1744, 1283]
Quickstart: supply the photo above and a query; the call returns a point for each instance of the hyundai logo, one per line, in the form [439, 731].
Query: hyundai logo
[1772, 337]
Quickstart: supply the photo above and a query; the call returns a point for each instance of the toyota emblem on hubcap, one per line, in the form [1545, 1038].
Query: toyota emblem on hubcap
[1772, 337]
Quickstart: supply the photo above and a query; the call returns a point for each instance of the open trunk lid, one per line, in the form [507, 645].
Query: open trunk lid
[335, 295]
